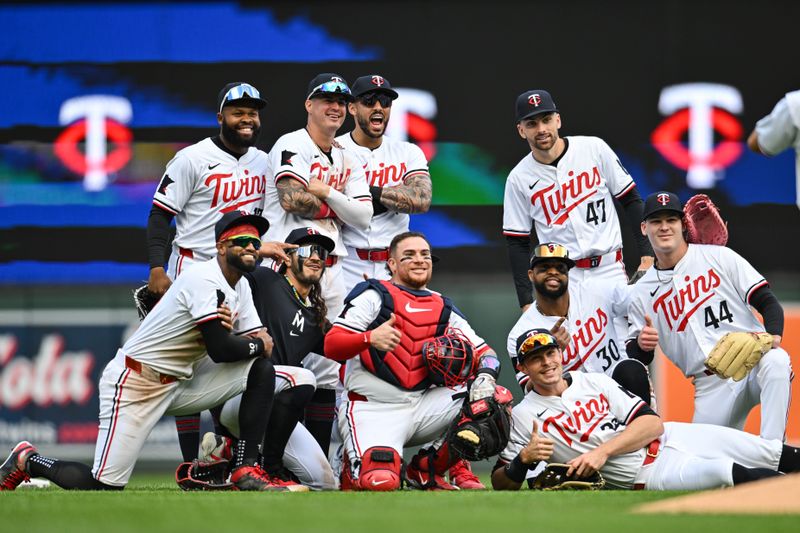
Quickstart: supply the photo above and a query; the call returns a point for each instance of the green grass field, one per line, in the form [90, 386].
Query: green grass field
[154, 503]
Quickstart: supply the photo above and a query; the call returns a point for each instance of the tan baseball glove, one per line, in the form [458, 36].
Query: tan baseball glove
[736, 353]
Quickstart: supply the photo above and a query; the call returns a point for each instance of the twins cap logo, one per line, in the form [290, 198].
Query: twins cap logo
[663, 198]
[551, 247]
[378, 80]
[535, 100]
[312, 231]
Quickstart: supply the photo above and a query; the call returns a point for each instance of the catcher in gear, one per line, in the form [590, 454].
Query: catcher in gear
[587, 424]
[696, 305]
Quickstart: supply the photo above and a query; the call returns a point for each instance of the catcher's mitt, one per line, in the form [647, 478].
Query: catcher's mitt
[554, 477]
[204, 476]
[736, 353]
[144, 300]
[483, 428]
[703, 223]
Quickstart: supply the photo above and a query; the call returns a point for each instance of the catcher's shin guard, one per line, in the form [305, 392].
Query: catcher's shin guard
[380, 470]
[428, 467]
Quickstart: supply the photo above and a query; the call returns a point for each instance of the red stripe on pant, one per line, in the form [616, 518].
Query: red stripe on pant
[113, 427]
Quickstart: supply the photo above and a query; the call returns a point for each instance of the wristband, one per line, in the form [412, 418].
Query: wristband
[489, 364]
[516, 470]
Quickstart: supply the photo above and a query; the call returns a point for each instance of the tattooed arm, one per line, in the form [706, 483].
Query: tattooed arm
[414, 196]
[296, 199]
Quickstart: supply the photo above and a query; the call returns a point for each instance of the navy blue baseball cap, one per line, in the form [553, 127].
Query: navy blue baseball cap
[237, 218]
[373, 83]
[535, 102]
[310, 235]
[662, 201]
[329, 83]
[533, 341]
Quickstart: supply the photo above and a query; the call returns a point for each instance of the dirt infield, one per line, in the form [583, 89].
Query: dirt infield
[771, 496]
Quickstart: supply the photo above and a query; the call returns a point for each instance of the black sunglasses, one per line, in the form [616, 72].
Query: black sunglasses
[245, 241]
[370, 98]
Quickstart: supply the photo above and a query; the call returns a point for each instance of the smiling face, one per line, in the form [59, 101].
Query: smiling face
[411, 263]
[326, 112]
[239, 125]
[541, 131]
[550, 278]
[306, 270]
[543, 367]
[243, 259]
[370, 119]
[665, 232]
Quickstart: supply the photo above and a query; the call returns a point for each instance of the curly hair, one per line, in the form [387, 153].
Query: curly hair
[318, 304]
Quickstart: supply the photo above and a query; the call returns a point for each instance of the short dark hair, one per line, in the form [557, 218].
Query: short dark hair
[400, 237]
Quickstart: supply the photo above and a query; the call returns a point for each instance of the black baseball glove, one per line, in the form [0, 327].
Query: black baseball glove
[554, 477]
[144, 300]
[204, 476]
[483, 427]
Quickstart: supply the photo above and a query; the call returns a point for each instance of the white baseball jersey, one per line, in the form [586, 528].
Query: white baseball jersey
[587, 414]
[296, 156]
[202, 183]
[693, 305]
[358, 315]
[594, 409]
[169, 341]
[389, 165]
[781, 129]
[595, 346]
[570, 203]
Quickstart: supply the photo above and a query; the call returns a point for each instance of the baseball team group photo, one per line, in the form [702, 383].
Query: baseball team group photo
[318, 287]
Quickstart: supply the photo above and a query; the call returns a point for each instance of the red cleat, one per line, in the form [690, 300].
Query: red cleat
[418, 479]
[462, 476]
[254, 478]
[13, 471]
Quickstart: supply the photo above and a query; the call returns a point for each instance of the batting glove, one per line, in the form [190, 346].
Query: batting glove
[482, 387]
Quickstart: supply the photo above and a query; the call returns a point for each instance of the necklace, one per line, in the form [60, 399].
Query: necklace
[303, 301]
[538, 308]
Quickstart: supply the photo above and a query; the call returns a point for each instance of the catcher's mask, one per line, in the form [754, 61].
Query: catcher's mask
[449, 358]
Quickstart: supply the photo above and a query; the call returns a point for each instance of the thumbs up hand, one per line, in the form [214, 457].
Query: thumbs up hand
[648, 336]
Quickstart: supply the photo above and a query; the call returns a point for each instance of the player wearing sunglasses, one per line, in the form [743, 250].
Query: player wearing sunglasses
[313, 182]
[397, 173]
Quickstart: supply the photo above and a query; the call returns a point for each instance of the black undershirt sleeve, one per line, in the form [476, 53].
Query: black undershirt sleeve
[764, 301]
[634, 351]
[634, 209]
[226, 348]
[158, 236]
[519, 251]
[377, 205]
[645, 410]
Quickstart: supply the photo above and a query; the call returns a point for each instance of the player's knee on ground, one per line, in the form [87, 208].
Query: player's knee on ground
[380, 469]
[632, 375]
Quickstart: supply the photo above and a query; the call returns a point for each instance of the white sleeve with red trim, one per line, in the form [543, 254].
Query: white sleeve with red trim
[177, 184]
[415, 160]
[617, 177]
[459, 322]
[360, 312]
[247, 320]
[622, 404]
[517, 221]
[746, 279]
[291, 157]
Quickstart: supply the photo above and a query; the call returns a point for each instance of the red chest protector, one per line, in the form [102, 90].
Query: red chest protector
[420, 316]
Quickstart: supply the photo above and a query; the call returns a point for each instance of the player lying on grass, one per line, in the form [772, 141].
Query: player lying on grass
[163, 369]
[589, 422]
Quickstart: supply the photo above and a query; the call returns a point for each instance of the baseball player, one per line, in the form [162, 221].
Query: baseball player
[397, 175]
[391, 402]
[779, 130]
[163, 369]
[313, 182]
[589, 422]
[694, 296]
[290, 305]
[566, 189]
[581, 319]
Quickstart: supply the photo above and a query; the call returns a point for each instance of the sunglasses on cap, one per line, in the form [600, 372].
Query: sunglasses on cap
[307, 250]
[550, 250]
[369, 99]
[245, 241]
[536, 341]
[335, 87]
[237, 93]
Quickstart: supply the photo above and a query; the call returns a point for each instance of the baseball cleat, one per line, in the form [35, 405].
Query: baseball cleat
[462, 476]
[417, 479]
[215, 447]
[248, 477]
[284, 477]
[13, 470]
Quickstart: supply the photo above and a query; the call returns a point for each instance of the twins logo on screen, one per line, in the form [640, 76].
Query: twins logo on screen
[95, 119]
[700, 109]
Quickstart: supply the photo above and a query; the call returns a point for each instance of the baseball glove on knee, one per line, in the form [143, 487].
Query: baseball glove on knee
[704, 224]
[736, 353]
[483, 427]
[144, 300]
[204, 476]
[554, 477]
